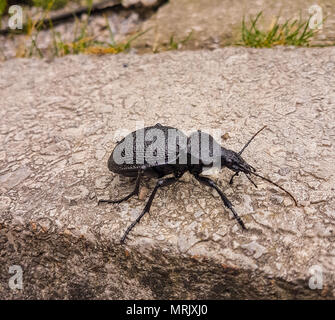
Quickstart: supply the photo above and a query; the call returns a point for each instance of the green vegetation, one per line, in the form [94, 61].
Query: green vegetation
[3, 6]
[50, 4]
[83, 41]
[174, 45]
[295, 33]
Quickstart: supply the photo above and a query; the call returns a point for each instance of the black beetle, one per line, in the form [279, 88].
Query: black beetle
[158, 151]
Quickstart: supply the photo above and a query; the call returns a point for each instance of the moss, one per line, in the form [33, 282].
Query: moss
[3, 5]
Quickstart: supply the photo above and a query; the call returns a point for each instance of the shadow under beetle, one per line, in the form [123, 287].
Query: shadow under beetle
[158, 151]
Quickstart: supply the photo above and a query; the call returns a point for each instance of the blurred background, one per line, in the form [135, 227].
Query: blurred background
[54, 28]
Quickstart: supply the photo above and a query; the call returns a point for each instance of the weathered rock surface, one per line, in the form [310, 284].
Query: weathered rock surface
[58, 125]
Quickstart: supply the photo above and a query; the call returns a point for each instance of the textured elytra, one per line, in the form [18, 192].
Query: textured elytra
[163, 147]
[150, 147]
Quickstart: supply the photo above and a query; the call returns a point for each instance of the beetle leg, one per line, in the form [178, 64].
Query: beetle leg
[160, 183]
[210, 183]
[236, 174]
[133, 193]
[232, 177]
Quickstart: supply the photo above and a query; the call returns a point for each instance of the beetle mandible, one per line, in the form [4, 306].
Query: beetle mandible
[159, 150]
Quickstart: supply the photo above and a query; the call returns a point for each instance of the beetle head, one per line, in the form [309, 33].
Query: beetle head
[234, 161]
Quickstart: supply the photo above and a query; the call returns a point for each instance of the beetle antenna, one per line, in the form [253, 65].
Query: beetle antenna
[277, 185]
[252, 138]
[251, 181]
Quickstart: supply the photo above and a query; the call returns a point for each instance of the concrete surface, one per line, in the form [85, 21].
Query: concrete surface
[57, 129]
